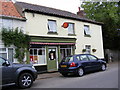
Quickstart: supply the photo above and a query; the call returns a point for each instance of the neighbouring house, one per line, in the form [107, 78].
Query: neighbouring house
[56, 33]
[9, 18]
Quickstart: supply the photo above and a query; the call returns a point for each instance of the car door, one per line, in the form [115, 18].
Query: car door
[85, 62]
[7, 72]
[95, 64]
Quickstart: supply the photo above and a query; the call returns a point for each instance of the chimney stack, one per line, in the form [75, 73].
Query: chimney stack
[79, 9]
[81, 13]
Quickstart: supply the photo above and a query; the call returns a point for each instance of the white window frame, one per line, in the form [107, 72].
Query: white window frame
[87, 30]
[6, 52]
[88, 50]
[70, 48]
[52, 26]
[71, 28]
[36, 64]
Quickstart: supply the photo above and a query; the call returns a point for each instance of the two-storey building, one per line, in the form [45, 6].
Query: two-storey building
[56, 33]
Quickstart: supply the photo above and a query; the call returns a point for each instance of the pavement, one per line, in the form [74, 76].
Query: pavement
[56, 74]
[48, 75]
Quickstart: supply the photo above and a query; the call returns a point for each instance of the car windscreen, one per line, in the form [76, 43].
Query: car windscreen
[68, 59]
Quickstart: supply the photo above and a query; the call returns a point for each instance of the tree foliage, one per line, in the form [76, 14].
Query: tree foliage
[109, 14]
[18, 39]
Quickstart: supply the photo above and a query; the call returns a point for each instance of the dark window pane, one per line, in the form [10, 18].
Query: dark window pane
[68, 52]
[35, 51]
[31, 52]
[40, 52]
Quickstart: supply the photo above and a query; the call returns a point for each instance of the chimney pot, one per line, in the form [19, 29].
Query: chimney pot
[79, 9]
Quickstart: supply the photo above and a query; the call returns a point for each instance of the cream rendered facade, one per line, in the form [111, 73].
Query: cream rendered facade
[36, 25]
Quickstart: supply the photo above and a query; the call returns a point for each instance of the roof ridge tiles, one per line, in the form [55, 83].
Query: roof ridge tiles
[52, 11]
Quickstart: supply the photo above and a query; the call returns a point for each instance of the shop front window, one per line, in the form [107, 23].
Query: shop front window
[37, 55]
[65, 51]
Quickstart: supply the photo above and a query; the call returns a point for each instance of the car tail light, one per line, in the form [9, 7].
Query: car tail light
[73, 64]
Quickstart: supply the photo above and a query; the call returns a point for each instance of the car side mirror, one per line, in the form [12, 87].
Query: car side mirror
[6, 63]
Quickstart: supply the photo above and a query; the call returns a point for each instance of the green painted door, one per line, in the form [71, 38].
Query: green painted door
[52, 59]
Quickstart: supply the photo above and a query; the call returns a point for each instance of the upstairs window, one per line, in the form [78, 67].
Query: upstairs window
[52, 26]
[71, 28]
[86, 30]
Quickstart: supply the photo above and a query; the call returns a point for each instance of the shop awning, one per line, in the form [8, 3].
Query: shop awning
[41, 43]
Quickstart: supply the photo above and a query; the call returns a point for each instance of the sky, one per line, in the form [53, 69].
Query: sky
[67, 5]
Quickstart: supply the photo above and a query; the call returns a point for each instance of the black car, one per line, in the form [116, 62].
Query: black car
[22, 75]
[80, 64]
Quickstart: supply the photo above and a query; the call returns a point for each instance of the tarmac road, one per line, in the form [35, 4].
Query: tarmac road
[101, 79]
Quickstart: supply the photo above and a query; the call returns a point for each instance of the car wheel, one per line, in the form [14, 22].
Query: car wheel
[103, 67]
[80, 72]
[65, 74]
[25, 80]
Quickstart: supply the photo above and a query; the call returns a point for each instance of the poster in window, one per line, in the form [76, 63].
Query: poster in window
[52, 55]
[33, 59]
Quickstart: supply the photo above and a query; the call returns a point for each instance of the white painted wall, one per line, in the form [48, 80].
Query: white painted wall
[37, 26]
[11, 23]
[95, 40]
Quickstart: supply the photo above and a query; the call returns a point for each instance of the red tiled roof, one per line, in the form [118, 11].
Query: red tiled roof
[8, 9]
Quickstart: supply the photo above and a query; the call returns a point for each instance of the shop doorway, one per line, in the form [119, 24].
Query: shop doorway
[52, 58]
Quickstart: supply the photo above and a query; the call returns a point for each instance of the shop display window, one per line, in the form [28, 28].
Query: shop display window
[65, 51]
[37, 55]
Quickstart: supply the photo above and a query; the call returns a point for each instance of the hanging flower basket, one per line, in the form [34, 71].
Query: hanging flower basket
[94, 50]
[84, 50]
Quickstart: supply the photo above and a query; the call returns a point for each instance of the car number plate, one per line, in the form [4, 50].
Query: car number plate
[63, 65]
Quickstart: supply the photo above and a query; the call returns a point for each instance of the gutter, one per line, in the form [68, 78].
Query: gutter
[12, 17]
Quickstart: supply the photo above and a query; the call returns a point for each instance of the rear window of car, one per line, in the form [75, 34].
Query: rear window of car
[68, 59]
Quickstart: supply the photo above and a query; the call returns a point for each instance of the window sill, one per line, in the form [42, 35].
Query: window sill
[54, 33]
[87, 35]
[71, 34]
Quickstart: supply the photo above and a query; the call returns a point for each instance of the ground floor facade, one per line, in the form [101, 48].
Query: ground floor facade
[47, 52]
